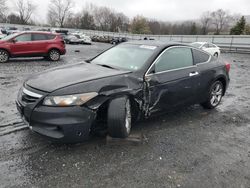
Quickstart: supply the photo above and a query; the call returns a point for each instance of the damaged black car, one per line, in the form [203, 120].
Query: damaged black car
[121, 85]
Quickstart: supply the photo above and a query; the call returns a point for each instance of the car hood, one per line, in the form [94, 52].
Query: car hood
[64, 76]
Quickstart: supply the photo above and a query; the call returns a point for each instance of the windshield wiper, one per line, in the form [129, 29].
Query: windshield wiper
[107, 66]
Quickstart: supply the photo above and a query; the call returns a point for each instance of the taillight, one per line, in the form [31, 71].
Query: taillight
[228, 66]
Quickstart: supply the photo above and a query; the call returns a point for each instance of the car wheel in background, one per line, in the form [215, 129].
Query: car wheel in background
[215, 95]
[4, 56]
[54, 55]
[216, 54]
[119, 117]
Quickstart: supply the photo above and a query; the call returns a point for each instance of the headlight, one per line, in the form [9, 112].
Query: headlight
[69, 100]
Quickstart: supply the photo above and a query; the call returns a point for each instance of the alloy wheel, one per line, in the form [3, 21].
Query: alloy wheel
[54, 55]
[4, 56]
[216, 94]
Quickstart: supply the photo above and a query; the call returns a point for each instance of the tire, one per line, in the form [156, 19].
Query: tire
[216, 54]
[215, 95]
[119, 117]
[4, 56]
[54, 55]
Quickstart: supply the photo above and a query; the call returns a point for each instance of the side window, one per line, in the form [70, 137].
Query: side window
[50, 37]
[211, 45]
[205, 45]
[23, 38]
[200, 57]
[174, 58]
[37, 37]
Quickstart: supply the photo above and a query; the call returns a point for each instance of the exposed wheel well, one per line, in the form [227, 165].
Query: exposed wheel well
[102, 111]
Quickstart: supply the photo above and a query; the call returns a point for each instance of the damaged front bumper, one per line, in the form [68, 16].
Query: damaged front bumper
[61, 124]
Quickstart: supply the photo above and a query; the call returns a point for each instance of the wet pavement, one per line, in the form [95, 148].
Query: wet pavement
[191, 147]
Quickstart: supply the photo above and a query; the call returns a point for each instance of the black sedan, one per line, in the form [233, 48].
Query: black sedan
[119, 86]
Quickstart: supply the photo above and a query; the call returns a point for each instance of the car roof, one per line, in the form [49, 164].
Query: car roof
[199, 42]
[39, 32]
[159, 44]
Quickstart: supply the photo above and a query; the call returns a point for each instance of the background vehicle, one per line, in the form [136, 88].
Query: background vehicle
[11, 30]
[32, 44]
[126, 82]
[118, 40]
[72, 39]
[2, 35]
[84, 39]
[208, 47]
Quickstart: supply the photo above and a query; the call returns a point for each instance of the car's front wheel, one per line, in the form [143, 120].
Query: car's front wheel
[4, 56]
[54, 55]
[119, 117]
[215, 95]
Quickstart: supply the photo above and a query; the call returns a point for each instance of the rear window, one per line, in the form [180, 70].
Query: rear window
[50, 37]
[200, 57]
[39, 37]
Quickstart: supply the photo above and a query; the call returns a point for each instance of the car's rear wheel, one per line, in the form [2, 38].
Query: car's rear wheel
[215, 95]
[119, 117]
[54, 55]
[4, 56]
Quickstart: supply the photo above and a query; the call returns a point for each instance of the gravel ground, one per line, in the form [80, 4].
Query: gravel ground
[191, 147]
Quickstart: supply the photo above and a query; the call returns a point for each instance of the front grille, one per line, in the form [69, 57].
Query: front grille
[28, 96]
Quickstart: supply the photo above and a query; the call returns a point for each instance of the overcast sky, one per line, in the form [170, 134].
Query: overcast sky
[165, 10]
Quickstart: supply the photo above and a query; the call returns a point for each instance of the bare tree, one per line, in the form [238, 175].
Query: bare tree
[25, 9]
[205, 22]
[220, 19]
[3, 8]
[59, 11]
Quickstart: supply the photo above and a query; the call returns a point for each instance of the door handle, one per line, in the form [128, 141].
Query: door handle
[193, 74]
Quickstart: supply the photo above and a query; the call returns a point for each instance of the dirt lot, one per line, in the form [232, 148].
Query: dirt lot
[191, 147]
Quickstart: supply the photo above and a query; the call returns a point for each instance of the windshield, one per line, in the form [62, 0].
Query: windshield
[126, 56]
[197, 45]
[10, 36]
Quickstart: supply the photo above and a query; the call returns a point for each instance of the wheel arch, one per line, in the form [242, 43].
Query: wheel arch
[102, 106]
[6, 50]
[222, 79]
[53, 48]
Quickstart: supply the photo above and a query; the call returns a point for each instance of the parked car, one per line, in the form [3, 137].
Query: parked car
[2, 35]
[117, 87]
[84, 39]
[11, 30]
[104, 39]
[3, 30]
[32, 44]
[118, 40]
[208, 47]
[72, 39]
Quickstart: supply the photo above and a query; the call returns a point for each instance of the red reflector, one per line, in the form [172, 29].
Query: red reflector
[228, 66]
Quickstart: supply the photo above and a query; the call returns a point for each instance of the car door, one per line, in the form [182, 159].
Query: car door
[205, 65]
[172, 79]
[21, 45]
[40, 43]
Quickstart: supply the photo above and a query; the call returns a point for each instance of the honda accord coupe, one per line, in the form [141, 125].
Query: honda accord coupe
[119, 86]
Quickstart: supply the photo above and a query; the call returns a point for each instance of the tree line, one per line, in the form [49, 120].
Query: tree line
[61, 14]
